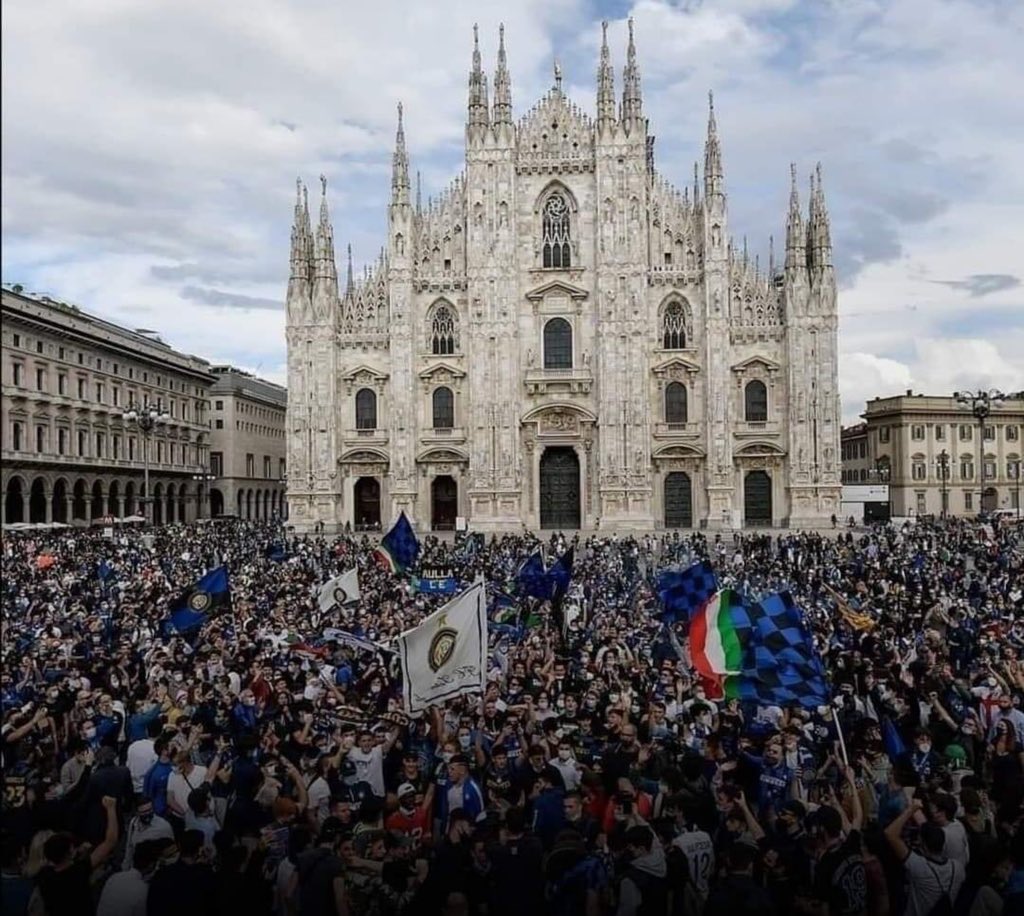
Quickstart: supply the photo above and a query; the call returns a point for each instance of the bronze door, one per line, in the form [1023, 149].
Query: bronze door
[559, 489]
[678, 500]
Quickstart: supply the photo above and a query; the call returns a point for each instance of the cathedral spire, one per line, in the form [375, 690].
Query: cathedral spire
[502, 84]
[478, 113]
[349, 282]
[400, 165]
[325, 279]
[712, 153]
[419, 193]
[301, 259]
[795, 240]
[605, 84]
[632, 101]
[819, 229]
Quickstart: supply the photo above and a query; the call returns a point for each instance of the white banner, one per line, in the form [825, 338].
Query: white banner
[446, 655]
[340, 590]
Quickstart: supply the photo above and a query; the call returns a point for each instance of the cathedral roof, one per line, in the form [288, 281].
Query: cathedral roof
[556, 135]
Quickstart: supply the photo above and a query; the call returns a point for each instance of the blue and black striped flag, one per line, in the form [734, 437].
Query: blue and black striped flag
[212, 593]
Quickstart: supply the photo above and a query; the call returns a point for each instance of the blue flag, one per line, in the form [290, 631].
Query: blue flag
[104, 571]
[532, 578]
[560, 575]
[192, 609]
[891, 740]
[277, 553]
[444, 586]
[684, 591]
[399, 548]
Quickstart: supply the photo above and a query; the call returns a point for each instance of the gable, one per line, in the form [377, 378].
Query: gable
[757, 362]
[556, 288]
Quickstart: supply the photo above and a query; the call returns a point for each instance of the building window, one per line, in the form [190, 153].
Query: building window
[555, 231]
[62, 441]
[967, 470]
[966, 432]
[39, 346]
[17, 371]
[673, 336]
[17, 340]
[863, 475]
[444, 408]
[918, 470]
[922, 502]
[81, 389]
[16, 436]
[131, 448]
[83, 443]
[940, 432]
[863, 450]
[40, 439]
[755, 402]
[218, 424]
[917, 432]
[99, 392]
[443, 331]
[883, 433]
[159, 453]
[62, 384]
[81, 359]
[174, 453]
[266, 467]
[558, 344]
[968, 500]
[218, 405]
[280, 468]
[1011, 433]
[250, 465]
[116, 369]
[116, 394]
[99, 445]
[675, 404]
[989, 433]
[131, 372]
[217, 464]
[366, 409]
[40, 380]
[116, 445]
[990, 470]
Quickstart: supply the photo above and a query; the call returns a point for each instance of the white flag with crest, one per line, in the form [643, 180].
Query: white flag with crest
[340, 590]
[446, 655]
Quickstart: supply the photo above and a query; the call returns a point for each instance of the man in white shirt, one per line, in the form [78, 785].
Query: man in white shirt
[186, 777]
[943, 814]
[145, 826]
[368, 760]
[141, 756]
[568, 766]
[696, 845]
[126, 892]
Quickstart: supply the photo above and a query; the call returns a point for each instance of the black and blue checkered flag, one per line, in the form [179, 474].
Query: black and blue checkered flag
[683, 591]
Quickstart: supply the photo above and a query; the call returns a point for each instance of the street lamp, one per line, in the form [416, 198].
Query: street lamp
[980, 404]
[884, 471]
[943, 460]
[146, 418]
[200, 479]
[283, 501]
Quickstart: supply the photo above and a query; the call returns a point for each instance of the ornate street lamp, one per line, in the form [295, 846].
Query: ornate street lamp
[981, 404]
[943, 463]
[201, 479]
[884, 472]
[146, 418]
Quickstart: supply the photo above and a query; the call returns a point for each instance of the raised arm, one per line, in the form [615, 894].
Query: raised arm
[894, 832]
[102, 852]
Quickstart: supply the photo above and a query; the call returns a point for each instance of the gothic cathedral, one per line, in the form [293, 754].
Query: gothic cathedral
[563, 340]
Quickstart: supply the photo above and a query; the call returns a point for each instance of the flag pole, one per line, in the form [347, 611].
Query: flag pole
[842, 740]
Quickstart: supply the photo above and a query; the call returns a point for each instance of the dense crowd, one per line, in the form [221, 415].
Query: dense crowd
[265, 764]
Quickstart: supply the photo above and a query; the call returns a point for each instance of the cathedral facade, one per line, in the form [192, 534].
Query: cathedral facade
[563, 340]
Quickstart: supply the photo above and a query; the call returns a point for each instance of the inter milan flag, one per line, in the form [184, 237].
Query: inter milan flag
[339, 591]
[277, 552]
[399, 548]
[532, 578]
[683, 591]
[560, 575]
[211, 593]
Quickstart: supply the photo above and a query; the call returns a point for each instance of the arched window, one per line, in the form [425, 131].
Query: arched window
[444, 408]
[557, 344]
[755, 402]
[366, 409]
[555, 225]
[675, 403]
[443, 331]
[674, 327]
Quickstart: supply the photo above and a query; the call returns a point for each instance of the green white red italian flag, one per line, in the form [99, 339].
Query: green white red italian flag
[715, 646]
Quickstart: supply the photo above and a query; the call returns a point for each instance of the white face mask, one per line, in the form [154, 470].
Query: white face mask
[465, 741]
[924, 748]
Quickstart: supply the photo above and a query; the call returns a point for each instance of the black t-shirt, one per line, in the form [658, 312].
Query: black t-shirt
[317, 870]
[67, 892]
[840, 879]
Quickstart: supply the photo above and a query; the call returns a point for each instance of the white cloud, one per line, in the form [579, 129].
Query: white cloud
[150, 149]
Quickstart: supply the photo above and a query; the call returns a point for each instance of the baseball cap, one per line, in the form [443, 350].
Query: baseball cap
[461, 759]
[406, 788]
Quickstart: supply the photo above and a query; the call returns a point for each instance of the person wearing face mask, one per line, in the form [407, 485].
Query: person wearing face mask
[923, 758]
[415, 813]
[567, 765]
[145, 825]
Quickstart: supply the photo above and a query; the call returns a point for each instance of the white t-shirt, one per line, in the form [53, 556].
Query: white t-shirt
[928, 880]
[179, 788]
[141, 757]
[957, 847]
[696, 845]
[124, 894]
[319, 793]
[369, 769]
[570, 771]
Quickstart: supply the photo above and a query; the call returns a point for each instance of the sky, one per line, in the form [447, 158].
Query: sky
[150, 151]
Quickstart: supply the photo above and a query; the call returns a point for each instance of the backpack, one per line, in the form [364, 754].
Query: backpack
[944, 905]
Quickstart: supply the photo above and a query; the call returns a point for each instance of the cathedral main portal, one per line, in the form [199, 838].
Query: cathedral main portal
[559, 488]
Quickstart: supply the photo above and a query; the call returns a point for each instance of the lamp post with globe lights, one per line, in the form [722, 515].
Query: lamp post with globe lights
[146, 419]
[203, 492]
[981, 404]
[943, 465]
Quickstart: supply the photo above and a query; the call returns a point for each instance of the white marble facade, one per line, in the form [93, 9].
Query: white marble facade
[563, 339]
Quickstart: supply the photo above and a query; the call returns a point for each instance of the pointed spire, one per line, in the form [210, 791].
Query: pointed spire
[349, 282]
[712, 152]
[325, 281]
[632, 101]
[771, 257]
[502, 84]
[605, 83]
[795, 239]
[479, 116]
[419, 193]
[818, 228]
[400, 165]
[696, 183]
[300, 253]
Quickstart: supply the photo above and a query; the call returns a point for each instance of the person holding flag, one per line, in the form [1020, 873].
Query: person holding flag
[339, 591]
[399, 549]
[209, 595]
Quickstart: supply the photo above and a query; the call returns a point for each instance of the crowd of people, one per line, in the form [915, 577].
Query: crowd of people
[264, 764]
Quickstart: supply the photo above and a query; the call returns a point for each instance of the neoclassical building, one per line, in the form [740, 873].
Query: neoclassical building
[68, 454]
[563, 339]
